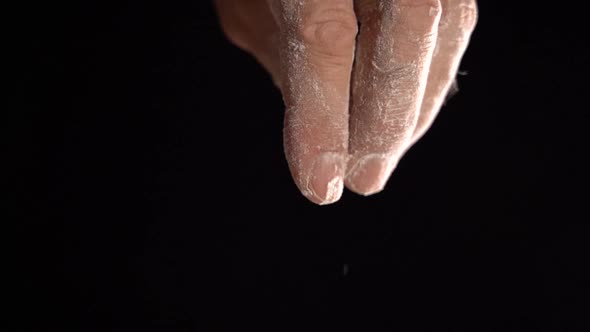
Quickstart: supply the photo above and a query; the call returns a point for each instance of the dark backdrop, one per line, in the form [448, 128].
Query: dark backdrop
[156, 195]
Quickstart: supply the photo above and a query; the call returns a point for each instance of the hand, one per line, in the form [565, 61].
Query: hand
[362, 80]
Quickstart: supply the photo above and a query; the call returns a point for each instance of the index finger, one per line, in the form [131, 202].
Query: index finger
[317, 40]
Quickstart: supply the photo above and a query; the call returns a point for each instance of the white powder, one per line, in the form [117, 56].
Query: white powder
[389, 83]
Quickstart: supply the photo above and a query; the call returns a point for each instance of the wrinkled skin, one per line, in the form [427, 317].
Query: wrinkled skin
[362, 80]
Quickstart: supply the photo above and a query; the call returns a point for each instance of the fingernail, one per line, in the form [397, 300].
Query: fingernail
[325, 183]
[370, 174]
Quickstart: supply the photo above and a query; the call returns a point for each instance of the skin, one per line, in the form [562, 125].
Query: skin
[362, 80]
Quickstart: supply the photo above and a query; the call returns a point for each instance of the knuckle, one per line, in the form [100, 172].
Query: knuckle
[467, 15]
[420, 16]
[333, 34]
[420, 3]
[430, 7]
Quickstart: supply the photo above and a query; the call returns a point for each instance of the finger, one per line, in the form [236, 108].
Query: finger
[317, 39]
[457, 22]
[394, 51]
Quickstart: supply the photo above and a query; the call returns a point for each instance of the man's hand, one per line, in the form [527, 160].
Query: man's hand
[362, 80]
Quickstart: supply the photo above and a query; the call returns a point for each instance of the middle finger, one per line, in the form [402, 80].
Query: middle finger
[394, 50]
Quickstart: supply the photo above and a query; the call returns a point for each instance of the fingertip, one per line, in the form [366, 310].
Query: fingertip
[325, 181]
[369, 174]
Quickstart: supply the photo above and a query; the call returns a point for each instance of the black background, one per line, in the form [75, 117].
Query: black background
[156, 195]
